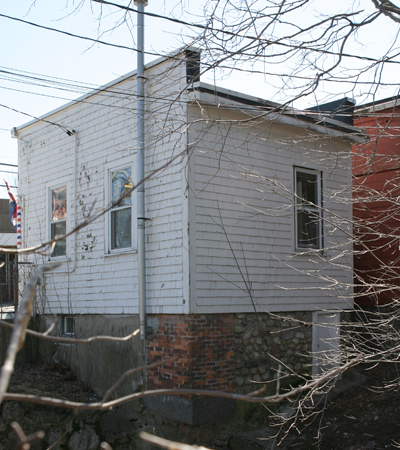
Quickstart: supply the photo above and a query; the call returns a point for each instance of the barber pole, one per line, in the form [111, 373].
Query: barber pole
[18, 226]
[15, 214]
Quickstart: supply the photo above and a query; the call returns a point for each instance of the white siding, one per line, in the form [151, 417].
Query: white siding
[242, 171]
[244, 181]
[92, 281]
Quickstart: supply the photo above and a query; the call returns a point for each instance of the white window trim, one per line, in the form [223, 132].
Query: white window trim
[62, 182]
[121, 163]
[317, 210]
[65, 318]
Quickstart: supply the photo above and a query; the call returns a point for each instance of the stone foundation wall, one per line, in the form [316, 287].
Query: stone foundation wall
[263, 340]
[228, 351]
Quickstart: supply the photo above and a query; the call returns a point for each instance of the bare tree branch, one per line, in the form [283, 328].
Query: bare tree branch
[170, 445]
[251, 398]
[71, 340]
[18, 335]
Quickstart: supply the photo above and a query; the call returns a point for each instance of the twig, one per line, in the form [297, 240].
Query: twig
[96, 216]
[72, 340]
[170, 445]
[18, 335]
[97, 406]
[25, 441]
[105, 446]
[58, 440]
[278, 379]
[131, 371]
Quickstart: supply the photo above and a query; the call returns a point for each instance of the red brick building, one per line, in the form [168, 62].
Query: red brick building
[376, 192]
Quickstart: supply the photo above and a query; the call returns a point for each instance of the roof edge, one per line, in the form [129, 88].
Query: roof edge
[118, 80]
[318, 119]
[378, 105]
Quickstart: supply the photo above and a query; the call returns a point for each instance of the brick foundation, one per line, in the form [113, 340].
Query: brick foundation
[204, 345]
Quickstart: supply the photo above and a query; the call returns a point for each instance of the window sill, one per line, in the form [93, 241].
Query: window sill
[309, 252]
[64, 264]
[65, 344]
[58, 259]
[129, 251]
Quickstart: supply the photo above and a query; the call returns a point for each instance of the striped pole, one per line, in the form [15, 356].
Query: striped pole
[16, 214]
[18, 225]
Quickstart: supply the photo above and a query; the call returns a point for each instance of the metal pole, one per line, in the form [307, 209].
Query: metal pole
[141, 220]
[16, 287]
[8, 266]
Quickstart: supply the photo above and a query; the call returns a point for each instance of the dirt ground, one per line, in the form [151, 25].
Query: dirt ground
[50, 381]
[365, 417]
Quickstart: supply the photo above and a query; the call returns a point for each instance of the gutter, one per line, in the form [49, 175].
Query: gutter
[273, 111]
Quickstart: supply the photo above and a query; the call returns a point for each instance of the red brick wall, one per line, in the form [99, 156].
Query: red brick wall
[376, 170]
[204, 345]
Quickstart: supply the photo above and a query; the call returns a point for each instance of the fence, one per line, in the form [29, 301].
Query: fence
[12, 281]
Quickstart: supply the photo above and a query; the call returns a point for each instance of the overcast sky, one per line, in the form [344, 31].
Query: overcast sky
[27, 50]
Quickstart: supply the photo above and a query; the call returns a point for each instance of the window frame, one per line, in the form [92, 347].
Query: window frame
[50, 187]
[316, 210]
[122, 163]
[66, 331]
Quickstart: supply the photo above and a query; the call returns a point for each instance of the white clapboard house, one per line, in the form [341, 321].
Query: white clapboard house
[248, 230]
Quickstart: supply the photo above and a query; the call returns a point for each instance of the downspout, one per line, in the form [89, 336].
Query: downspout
[141, 220]
[76, 143]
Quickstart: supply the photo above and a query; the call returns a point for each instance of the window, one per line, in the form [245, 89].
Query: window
[308, 203]
[58, 220]
[120, 223]
[7, 278]
[68, 325]
[121, 212]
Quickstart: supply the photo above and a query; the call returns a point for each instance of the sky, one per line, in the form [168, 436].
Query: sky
[28, 50]
[38, 53]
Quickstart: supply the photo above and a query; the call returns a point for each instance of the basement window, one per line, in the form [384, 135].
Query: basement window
[68, 325]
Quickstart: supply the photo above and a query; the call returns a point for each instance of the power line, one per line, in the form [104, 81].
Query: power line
[84, 87]
[252, 38]
[166, 101]
[69, 132]
[292, 46]
[97, 41]
[47, 76]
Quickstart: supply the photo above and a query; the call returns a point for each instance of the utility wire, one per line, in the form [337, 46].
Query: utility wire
[204, 27]
[44, 76]
[168, 101]
[244, 36]
[69, 132]
[98, 41]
